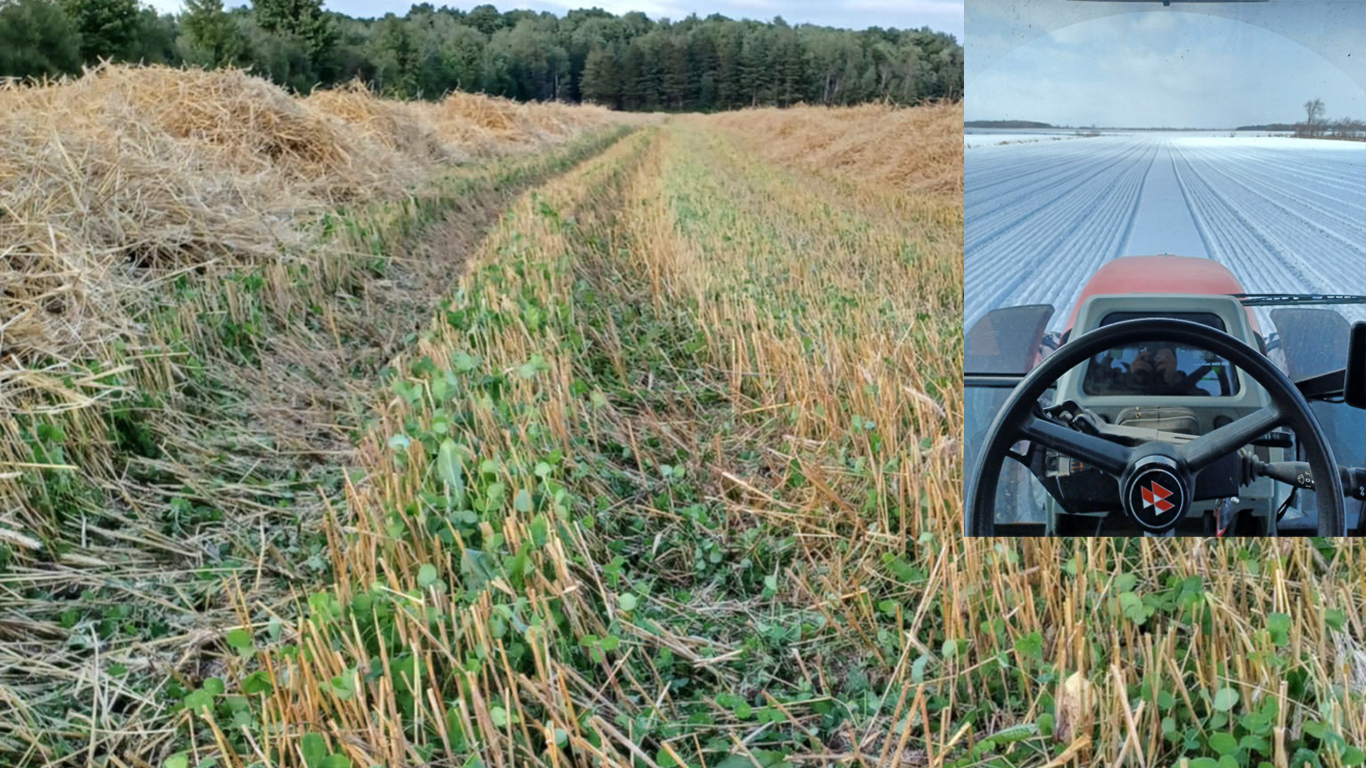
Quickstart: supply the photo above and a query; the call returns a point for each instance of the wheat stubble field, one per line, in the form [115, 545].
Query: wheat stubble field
[347, 432]
[343, 432]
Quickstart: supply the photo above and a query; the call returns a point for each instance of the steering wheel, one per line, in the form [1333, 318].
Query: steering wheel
[1156, 479]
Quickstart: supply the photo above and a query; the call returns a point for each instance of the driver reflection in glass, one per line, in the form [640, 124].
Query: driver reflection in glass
[1155, 368]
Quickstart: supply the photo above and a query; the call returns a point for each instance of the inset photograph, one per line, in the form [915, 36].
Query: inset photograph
[1164, 269]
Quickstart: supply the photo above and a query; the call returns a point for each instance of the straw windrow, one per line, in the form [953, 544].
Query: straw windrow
[201, 278]
[128, 177]
[909, 149]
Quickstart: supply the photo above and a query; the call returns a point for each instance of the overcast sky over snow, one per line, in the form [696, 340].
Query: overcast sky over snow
[1120, 64]
[939, 15]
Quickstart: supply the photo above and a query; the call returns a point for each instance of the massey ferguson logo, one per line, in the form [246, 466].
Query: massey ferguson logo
[1155, 496]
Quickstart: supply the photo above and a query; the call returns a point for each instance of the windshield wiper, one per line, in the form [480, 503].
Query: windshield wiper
[1289, 299]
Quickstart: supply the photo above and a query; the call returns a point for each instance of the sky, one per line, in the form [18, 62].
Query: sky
[939, 15]
[1126, 64]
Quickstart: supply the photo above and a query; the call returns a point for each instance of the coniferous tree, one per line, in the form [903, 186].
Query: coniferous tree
[649, 84]
[301, 19]
[634, 81]
[756, 69]
[38, 40]
[600, 83]
[675, 81]
[106, 27]
[789, 70]
[210, 37]
[706, 66]
[730, 88]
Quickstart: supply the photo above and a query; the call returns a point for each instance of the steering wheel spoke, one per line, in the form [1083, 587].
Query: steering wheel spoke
[1212, 446]
[1111, 458]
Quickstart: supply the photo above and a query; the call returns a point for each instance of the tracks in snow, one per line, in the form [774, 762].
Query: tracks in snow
[1282, 214]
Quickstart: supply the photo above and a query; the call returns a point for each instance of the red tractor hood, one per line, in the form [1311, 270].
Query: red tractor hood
[1160, 274]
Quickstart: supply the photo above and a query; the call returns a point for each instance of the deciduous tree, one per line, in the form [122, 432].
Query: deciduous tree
[1313, 116]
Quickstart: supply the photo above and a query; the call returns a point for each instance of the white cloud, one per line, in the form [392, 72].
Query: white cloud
[930, 7]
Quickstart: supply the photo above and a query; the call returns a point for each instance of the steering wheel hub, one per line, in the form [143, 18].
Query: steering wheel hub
[1156, 494]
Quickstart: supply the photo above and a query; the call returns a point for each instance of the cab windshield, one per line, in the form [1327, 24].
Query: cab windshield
[1160, 368]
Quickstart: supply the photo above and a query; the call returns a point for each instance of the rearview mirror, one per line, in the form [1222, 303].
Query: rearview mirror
[1354, 383]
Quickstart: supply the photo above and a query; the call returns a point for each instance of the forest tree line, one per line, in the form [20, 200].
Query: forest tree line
[627, 62]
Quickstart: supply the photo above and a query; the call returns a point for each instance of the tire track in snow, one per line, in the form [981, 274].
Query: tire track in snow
[1162, 220]
[1138, 206]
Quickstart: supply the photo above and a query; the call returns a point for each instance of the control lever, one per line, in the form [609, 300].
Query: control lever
[1074, 415]
[1298, 474]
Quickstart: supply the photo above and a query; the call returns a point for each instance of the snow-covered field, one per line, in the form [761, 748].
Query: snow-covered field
[986, 137]
[1285, 215]
[974, 140]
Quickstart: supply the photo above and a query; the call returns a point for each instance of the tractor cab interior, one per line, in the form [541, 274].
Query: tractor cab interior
[1167, 415]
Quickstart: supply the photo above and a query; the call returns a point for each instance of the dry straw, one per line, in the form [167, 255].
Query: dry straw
[134, 201]
[121, 183]
[919, 149]
[114, 181]
[401, 127]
